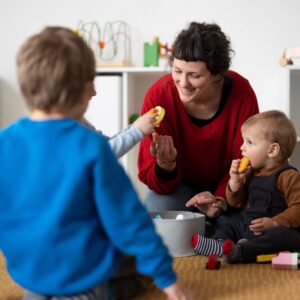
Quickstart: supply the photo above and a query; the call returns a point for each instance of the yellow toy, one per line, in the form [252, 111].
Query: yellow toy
[265, 258]
[160, 111]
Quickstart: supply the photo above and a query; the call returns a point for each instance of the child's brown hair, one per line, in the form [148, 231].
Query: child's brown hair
[276, 128]
[53, 67]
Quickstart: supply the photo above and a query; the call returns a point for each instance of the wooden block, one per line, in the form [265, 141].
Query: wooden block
[265, 258]
[285, 261]
[213, 262]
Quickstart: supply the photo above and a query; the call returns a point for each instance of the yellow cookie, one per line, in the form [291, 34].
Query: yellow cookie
[243, 164]
[160, 111]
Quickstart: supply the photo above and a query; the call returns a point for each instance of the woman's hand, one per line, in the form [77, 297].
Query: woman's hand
[163, 149]
[206, 202]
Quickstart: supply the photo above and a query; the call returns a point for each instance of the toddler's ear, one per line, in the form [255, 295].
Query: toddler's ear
[274, 150]
[87, 93]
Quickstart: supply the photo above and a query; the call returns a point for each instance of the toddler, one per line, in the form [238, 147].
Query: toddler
[269, 192]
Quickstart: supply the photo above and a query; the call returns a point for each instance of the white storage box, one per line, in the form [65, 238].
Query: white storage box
[177, 228]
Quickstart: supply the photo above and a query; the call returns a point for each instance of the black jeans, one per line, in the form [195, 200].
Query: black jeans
[274, 240]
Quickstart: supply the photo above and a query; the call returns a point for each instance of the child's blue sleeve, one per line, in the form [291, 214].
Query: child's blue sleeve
[126, 221]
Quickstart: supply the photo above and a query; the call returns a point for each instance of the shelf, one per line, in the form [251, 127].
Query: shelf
[292, 67]
[133, 70]
[293, 104]
[121, 91]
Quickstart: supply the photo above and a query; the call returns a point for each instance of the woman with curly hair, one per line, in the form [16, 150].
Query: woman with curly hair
[188, 164]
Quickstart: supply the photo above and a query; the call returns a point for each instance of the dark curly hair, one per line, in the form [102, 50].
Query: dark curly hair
[203, 42]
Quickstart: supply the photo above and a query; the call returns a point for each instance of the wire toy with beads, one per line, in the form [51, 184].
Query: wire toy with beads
[110, 45]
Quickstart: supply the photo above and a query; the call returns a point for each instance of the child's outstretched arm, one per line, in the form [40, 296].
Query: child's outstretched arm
[127, 138]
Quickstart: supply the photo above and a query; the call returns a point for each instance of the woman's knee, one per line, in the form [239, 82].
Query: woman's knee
[173, 201]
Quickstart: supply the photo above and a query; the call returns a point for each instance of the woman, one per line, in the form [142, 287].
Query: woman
[205, 105]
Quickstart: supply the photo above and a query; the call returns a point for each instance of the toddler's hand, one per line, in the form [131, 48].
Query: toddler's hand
[177, 291]
[236, 178]
[146, 123]
[260, 225]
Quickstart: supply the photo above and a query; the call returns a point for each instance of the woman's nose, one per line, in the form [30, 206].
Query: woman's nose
[184, 82]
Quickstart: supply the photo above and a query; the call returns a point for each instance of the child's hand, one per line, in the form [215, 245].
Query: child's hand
[260, 225]
[177, 291]
[146, 123]
[236, 178]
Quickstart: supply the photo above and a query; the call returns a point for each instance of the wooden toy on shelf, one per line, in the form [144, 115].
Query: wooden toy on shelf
[288, 55]
[154, 51]
[111, 44]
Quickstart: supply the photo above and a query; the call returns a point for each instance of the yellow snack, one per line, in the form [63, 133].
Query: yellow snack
[160, 111]
[243, 164]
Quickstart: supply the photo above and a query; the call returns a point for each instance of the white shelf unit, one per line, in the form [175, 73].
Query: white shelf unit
[293, 107]
[135, 81]
[104, 110]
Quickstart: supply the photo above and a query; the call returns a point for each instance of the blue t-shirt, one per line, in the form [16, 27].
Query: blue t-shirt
[67, 210]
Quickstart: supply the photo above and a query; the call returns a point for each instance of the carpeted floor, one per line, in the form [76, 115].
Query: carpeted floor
[231, 282]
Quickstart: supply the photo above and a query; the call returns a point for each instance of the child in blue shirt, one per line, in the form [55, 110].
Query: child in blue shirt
[68, 212]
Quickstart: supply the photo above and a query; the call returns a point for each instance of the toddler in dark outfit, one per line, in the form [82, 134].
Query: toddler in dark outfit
[269, 192]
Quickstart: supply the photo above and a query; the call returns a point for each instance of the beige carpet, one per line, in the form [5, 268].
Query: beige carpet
[231, 282]
[234, 282]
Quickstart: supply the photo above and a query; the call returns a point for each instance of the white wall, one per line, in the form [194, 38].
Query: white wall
[260, 30]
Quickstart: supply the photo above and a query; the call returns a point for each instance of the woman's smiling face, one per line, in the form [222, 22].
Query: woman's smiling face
[192, 79]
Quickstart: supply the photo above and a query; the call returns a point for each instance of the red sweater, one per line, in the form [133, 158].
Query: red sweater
[204, 154]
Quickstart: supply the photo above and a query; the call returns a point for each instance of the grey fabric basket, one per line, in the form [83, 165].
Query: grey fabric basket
[177, 233]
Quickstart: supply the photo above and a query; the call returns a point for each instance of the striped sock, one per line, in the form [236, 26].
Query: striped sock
[206, 246]
[231, 252]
